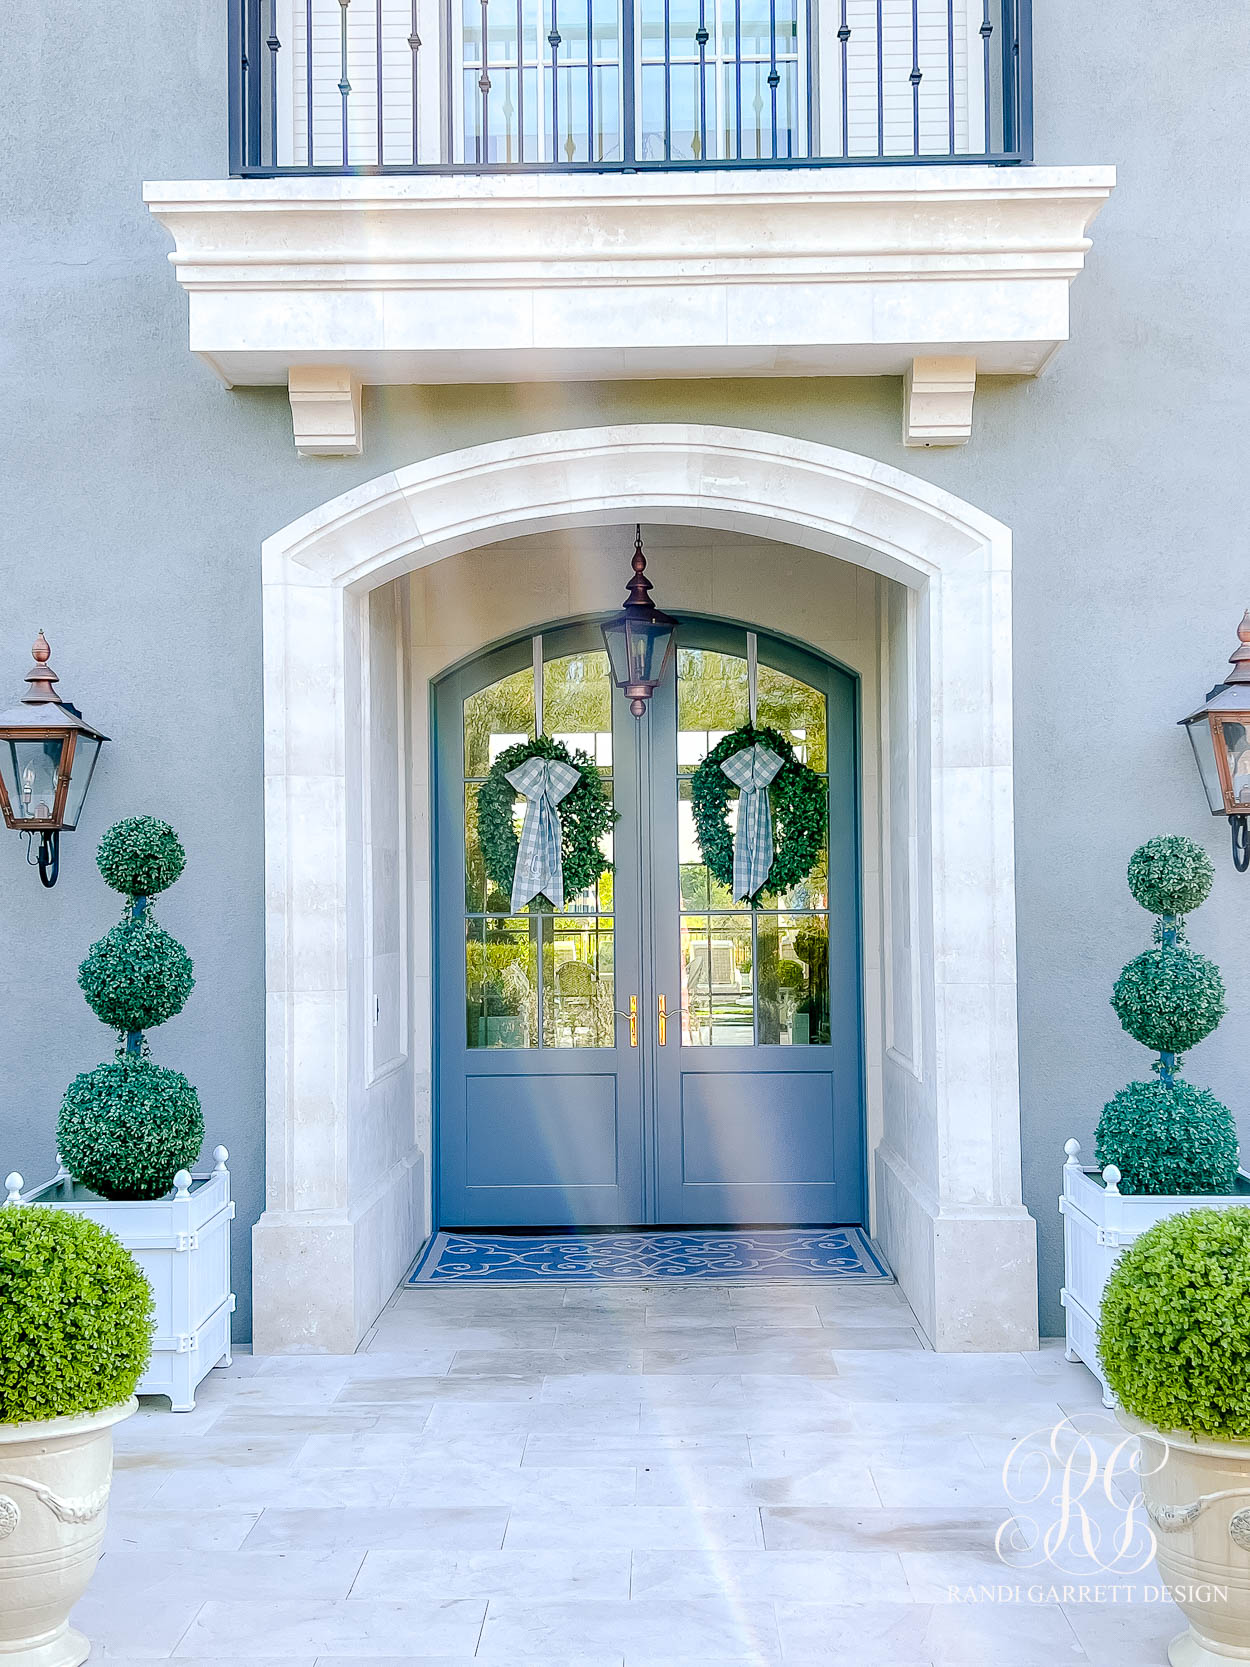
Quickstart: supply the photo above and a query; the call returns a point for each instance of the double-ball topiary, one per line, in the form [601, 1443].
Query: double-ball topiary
[127, 1127]
[75, 1316]
[1166, 1136]
[1174, 1341]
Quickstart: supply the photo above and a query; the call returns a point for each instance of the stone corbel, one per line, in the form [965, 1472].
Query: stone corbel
[937, 401]
[325, 410]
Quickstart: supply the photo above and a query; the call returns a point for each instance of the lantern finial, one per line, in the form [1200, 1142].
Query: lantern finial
[41, 676]
[1239, 659]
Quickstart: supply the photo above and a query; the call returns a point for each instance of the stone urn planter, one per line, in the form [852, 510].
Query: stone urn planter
[75, 1334]
[1176, 1352]
[54, 1489]
[1197, 1497]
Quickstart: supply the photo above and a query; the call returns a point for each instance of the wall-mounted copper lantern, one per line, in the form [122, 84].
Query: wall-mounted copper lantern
[47, 755]
[640, 639]
[1220, 734]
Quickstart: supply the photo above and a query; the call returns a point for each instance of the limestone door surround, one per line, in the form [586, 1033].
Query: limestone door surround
[343, 1218]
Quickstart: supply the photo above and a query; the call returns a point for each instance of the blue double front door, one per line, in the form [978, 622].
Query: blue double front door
[654, 1052]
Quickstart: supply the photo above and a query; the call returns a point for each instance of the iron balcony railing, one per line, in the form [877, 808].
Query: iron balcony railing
[413, 86]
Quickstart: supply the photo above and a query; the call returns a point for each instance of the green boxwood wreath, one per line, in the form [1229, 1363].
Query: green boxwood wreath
[128, 1127]
[75, 1316]
[586, 814]
[800, 807]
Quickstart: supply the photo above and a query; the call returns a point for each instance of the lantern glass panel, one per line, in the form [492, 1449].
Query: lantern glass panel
[648, 649]
[614, 640]
[1202, 740]
[86, 751]
[29, 768]
[1235, 736]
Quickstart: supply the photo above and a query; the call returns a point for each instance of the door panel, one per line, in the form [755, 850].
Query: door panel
[540, 1090]
[757, 1099]
[744, 1104]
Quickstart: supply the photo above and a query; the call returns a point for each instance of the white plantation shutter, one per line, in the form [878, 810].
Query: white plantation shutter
[366, 19]
[949, 53]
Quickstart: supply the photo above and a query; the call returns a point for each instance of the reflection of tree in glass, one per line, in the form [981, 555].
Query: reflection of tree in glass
[505, 708]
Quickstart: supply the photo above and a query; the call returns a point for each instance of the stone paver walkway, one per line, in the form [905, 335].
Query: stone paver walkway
[603, 1476]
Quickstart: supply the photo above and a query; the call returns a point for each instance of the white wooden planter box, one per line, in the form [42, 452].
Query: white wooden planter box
[1098, 1222]
[182, 1243]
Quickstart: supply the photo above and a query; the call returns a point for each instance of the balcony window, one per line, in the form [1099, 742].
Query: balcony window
[615, 85]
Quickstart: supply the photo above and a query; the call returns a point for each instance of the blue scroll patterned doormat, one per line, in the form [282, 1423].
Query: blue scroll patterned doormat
[764, 1254]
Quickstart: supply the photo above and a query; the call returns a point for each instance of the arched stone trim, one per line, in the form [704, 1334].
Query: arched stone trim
[948, 1169]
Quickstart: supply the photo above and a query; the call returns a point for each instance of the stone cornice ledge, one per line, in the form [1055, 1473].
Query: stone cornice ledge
[797, 272]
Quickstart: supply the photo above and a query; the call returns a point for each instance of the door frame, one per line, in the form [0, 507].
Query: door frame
[847, 829]
[346, 1156]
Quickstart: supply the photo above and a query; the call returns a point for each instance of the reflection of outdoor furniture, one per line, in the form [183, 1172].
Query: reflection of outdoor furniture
[580, 997]
[725, 978]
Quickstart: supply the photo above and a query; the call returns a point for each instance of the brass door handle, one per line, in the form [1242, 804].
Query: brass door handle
[632, 1016]
[665, 1013]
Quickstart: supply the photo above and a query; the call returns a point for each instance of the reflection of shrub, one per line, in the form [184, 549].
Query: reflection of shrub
[790, 976]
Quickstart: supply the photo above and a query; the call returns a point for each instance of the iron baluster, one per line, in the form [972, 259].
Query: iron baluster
[809, 55]
[590, 80]
[345, 86]
[1022, 83]
[881, 82]
[414, 46]
[699, 144]
[234, 92]
[553, 41]
[738, 78]
[844, 36]
[483, 87]
[629, 89]
[378, 43]
[668, 86]
[774, 75]
[914, 77]
[520, 83]
[253, 80]
[273, 43]
[950, 75]
[308, 76]
[987, 29]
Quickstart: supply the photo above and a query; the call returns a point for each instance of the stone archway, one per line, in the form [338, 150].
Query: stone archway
[338, 1232]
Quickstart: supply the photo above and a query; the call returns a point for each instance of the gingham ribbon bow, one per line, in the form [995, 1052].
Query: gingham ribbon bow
[539, 864]
[751, 770]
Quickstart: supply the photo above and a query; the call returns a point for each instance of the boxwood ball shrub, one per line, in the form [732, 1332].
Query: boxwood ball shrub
[136, 976]
[1170, 875]
[140, 856]
[1168, 1137]
[128, 1127]
[1174, 1341]
[75, 1316]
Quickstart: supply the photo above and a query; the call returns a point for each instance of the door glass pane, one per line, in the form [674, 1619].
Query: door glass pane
[798, 711]
[717, 980]
[578, 984]
[749, 976]
[699, 891]
[496, 718]
[577, 704]
[712, 699]
[501, 978]
[793, 979]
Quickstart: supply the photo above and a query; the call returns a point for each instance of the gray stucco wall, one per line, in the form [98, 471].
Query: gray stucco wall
[137, 492]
